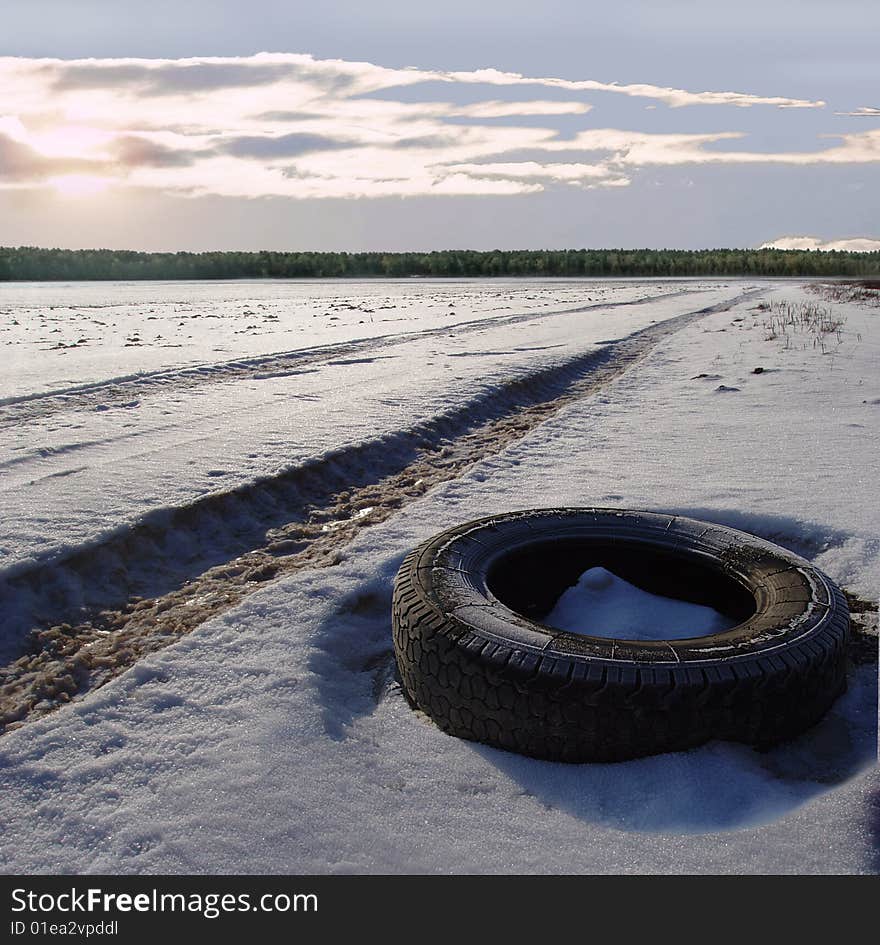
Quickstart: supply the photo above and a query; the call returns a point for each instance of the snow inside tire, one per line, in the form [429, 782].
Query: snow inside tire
[474, 656]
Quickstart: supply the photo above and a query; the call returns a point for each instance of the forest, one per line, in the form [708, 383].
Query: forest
[29, 263]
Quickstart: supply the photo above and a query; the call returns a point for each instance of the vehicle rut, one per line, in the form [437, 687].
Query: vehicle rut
[73, 624]
[27, 408]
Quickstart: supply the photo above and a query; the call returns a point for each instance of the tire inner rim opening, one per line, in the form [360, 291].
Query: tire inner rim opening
[631, 592]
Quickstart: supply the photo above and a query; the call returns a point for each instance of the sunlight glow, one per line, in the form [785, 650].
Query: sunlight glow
[79, 185]
[69, 141]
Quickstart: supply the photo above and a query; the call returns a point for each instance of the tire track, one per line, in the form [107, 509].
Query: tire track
[88, 617]
[27, 408]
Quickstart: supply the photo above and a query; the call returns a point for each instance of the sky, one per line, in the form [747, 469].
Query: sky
[410, 126]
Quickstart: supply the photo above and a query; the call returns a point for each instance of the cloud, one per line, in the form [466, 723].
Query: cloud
[183, 76]
[856, 244]
[136, 151]
[675, 98]
[518, 109]
[21, 164]
[282, 146]
[291, 125]
[171, 78]
[584, 175]
[477, 110]
[425, 141]
[866, 111]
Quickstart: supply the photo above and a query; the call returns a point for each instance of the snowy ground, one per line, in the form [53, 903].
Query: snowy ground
[100, 449]
[58, 335]
[274, 739]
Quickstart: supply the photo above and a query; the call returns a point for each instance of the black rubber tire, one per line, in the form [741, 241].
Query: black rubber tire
[490, 672]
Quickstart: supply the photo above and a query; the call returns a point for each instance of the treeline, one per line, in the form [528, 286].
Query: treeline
[34, 264]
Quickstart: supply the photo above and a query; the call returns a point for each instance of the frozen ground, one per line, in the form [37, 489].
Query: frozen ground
[273, 737]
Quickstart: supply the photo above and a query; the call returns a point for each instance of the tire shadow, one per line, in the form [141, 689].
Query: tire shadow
[353, 654]
[718, 786]
[874, 828]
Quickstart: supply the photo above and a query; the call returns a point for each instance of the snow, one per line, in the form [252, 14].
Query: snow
[274, 739]
[161, 439]
[58, 335]
[601, 604]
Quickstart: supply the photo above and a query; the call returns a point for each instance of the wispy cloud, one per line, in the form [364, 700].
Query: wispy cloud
[292, 125]
[866, 111]
[162, 77]
[675, 98]
[854, 244]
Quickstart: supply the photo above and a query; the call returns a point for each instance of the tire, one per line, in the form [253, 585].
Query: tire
[473, 655]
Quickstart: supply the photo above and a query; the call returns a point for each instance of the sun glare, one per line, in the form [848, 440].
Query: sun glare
[68, 141]
[79, 185]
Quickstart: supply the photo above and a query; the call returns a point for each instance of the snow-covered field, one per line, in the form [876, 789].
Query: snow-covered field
[273, 738]
[128, 443]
